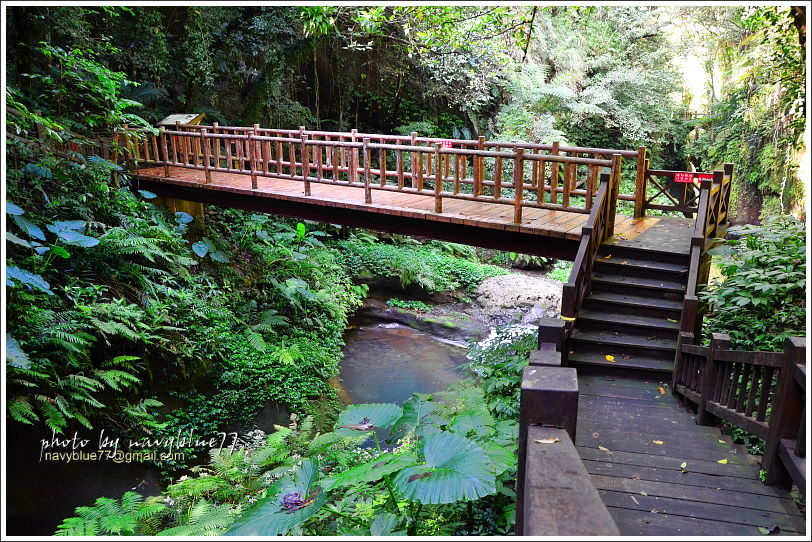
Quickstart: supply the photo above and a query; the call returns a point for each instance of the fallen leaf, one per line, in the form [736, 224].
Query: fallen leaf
[762, 530]
[601, 448]
[655, 511]
[635, 477]
[610, 358]
[658, 442]
[671, 320]
[635, 500]
[607, 256]
[684, 464]
[567, 319]
[624, 262]
[643, 493]
[661, 390]
[595, 435]
[547, 440]
[722, 441]
[722, 461]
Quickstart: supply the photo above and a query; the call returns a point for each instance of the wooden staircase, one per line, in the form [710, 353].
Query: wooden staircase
[629, 320]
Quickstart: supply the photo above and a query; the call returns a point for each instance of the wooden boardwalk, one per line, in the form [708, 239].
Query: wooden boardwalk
[659, 473]
[490, 216]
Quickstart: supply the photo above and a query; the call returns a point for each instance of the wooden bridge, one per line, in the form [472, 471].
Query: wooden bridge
[608, 441]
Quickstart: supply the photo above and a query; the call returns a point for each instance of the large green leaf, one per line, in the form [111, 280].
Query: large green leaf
[502, 458]
[357, 419]
[478, 421]
[30, 229]
[419, 415]
[15, 355]
[200, 248]
[456, 469]
[297, 500]
[27, 278]
[14, 209]
[371, 471]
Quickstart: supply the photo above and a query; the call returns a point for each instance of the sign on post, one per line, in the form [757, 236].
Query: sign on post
[691, 177]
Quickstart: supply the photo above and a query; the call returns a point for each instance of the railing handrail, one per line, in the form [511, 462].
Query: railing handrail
[399, 137]
[741, 387]
[351, 159]
[598, 228]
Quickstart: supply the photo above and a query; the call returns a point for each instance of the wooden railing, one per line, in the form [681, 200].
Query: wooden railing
[711, 225]
[598, 229]
[552, 481]
[661, 185]
[517, 174]
[761, 392]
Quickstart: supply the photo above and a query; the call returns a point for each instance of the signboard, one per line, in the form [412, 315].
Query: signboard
[689, 177]
[183, 118]
[446, 144]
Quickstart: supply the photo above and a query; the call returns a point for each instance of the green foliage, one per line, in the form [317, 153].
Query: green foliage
[761, 298]
[295, 481]
[561, 271]
[129, 516]
[411, 304]
[421, 265]
[496, 364]
[757, 121]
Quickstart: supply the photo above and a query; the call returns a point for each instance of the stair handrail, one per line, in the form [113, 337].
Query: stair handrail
[598, 228]
[712, 221]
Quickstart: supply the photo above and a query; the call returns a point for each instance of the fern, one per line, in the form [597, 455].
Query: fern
[204, 519]
[113, 517]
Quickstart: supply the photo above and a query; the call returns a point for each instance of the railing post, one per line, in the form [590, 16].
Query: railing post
[554, 174]
[549, 396]
[206, 154]
[640, 184]
[438, 180]
[305, 163]
[518, 185]
[786, 414]
[614, 190]
[249, 149]
[367, 188]
[719, 341]
[685, 337]
[165, 149]
[479, 167]
[353, 165]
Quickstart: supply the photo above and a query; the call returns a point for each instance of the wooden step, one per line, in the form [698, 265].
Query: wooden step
[635, 363]
[644, 254]
[640, 267]
[612, 321]
[624, 340]
[615, 280]
[636, 301]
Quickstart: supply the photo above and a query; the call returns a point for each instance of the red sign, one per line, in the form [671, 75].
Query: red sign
[446, 144]
[688, 177]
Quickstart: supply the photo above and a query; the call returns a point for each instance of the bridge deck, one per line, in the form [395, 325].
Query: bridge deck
[634, 440]
[491, 216]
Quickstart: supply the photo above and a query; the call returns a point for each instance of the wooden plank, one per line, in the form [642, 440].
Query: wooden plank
[686, 449]
[686, 477]
[696, 494]
[675, 463]
[648, 523]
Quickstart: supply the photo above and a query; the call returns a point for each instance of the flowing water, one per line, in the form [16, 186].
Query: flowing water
[386, 363]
